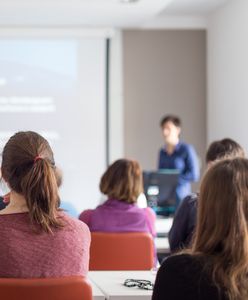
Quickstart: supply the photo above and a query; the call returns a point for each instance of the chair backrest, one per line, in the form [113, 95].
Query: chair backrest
[121, 251]
[65, 288]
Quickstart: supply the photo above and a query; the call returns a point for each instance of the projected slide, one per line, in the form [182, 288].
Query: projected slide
[57, 88]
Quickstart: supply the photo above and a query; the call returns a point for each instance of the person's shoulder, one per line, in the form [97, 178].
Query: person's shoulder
[178, 259]
[191, 199]
[74, 223]
[186, 146]
[182, 262]
[149, 210]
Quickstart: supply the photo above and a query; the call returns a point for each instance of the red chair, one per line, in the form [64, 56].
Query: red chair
[65, 288]
[121, 251]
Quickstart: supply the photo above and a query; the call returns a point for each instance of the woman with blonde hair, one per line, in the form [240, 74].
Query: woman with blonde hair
[216, 266]
[122, 183]
[37, 238]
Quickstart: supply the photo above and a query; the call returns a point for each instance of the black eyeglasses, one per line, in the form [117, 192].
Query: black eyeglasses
[140, 283]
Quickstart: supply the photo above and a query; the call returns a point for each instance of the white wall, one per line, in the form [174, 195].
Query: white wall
[228, 73]
[164, 71]
[116, 134]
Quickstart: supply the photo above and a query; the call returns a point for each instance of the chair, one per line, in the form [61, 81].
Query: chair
[121, 251]
[65, 288]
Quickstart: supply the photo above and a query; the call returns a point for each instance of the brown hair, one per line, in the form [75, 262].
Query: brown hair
[29, 168]
[225, 148]
[221, 231]
[122, 181]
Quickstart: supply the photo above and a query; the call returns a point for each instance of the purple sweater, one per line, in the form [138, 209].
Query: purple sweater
[119, 216]
[27, 254]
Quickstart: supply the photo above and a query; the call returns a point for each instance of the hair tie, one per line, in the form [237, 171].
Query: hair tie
[37, 158]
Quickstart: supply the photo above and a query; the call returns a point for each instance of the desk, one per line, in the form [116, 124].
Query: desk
[163, 225]
[162, 245]
[97, 293]
[111, 284]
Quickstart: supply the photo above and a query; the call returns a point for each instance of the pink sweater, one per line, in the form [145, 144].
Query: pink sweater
[119, 216]
[26, 254]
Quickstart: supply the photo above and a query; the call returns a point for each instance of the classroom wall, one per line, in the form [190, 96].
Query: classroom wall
[228, 72]
[164, 72]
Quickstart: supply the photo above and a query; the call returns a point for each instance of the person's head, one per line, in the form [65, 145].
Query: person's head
[221, 232]
[28, 167]
[171, 128]
[122, 181]
[223, 149]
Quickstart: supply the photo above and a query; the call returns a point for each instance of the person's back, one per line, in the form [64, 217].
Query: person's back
[118, 216]
[183, 277]
[28, 252]
[181, 232]
[37, 238]
[122, 183]
[184, 222]
[216, 265]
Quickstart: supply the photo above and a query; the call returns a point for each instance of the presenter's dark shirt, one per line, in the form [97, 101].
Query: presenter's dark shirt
[180, 234]
[183, 159]
[184, 277]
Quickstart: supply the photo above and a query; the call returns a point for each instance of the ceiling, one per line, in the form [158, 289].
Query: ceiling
[192, 7]
[99, 13]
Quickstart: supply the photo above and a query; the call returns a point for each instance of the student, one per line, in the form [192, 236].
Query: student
[122, 183]
[178, 155]
[216, 266]
[183, 225]
[37, 239]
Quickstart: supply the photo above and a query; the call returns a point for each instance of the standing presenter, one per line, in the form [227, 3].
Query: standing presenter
[177, 155]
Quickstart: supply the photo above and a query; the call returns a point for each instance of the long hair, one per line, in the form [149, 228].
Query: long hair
[122, 180]
[221, 234]
[29, 168]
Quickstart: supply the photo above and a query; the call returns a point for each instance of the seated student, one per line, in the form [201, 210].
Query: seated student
[183, 225]
[216, 266]
[37, 239]
[122, 183]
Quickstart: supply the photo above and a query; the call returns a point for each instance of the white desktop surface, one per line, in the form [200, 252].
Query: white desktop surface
[111, 284]
[97, 293]
[162, 245]
[163, 225]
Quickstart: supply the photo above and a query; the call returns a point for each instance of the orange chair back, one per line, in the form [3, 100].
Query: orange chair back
[66, 288]
[121, 251]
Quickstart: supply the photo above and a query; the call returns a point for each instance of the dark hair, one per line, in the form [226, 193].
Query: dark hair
[225, 148]
[29, 168]
[221, 234]
[122, 181]
[170, 118]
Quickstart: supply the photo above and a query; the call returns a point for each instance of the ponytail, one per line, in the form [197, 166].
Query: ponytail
[29, 168]
[39, 187]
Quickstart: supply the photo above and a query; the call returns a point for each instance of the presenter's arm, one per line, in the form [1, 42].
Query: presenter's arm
[191, 171]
